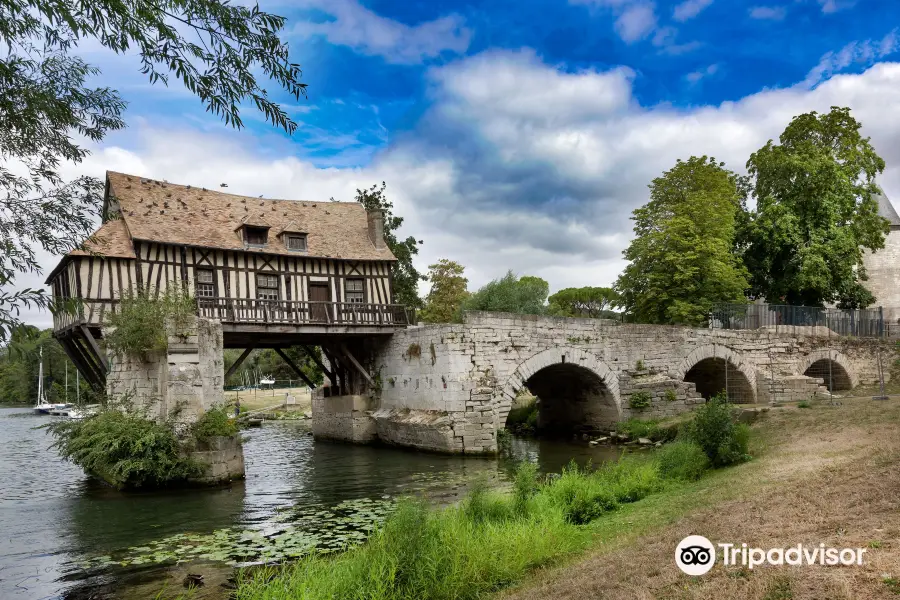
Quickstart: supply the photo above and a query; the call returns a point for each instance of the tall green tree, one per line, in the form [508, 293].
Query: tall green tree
[681, 262]
[447, 293]
[511, 294]
[406, 277]
[593, 302]
[267, 362]
[20, 361]
[815, 213]
[224, 53]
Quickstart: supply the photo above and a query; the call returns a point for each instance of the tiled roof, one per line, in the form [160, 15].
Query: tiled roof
[111, 239]
[886, 210]
[164, 212]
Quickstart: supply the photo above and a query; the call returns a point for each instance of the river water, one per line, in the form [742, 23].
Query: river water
[55, 522]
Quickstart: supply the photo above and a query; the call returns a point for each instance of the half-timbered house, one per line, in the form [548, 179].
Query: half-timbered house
[274, 272]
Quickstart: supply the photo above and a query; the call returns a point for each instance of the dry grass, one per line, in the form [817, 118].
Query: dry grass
[823, 475]
[258, 399]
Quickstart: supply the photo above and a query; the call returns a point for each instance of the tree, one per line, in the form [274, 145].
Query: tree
[447, 293]
[217, 49]
[593, 302]
[525, 295]
[267, 362]
[681, 260]
[815, 213]
[406, 277]
[20, 364]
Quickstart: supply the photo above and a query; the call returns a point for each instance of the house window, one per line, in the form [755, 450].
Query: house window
[206, 287]
[295, 242]
[353, 291]
[256, 236]
[267, 287]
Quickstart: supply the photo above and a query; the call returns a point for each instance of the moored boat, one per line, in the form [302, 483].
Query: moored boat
[42, 406]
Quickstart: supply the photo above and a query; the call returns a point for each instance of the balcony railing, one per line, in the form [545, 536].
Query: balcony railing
[302, 312]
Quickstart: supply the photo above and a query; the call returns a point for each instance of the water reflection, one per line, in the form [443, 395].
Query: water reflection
[53, 519]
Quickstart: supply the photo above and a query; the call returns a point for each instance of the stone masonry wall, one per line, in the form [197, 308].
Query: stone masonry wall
[883, 269]
[141, 380]
[189, 375]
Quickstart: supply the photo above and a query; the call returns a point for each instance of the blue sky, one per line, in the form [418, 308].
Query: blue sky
[521, 135]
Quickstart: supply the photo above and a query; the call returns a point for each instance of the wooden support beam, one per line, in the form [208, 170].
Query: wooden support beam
[335, 367]
[87, 355]
[239, 361]
[83, 363]
[290, 363]
[313, 355]
[76, 358]
[92, 344]
[356, 364]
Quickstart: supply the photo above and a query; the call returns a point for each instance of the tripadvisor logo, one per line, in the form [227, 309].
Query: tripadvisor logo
[696, 555]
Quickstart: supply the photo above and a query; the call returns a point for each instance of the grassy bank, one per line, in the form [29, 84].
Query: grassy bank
[493, 540]
[827, 474]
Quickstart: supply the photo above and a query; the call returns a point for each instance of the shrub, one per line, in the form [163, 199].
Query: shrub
[670, 396]
[715, 431]
[636, 428]
[648, 428]
[482, 505]
[682, 460]
[804, 404]
[525, 485]
[504, 441]
[584, 496]
[214, 423]
[125, 449]
[523, 419]
[639, 400]
[140, 323]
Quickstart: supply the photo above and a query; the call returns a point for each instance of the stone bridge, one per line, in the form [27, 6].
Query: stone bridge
[450, 388]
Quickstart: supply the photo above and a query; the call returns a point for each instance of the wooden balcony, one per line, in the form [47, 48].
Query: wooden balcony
[260, 323]
[252, 311]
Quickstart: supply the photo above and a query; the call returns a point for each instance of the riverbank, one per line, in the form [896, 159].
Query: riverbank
[826, 474]
[492, 538]
[789, 494]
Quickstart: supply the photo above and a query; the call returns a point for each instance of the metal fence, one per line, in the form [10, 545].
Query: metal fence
[864, 322]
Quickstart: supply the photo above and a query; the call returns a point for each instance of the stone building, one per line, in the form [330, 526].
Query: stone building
[883, 266]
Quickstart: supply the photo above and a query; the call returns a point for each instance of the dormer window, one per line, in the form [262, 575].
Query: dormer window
[295, 241]
[256, 236]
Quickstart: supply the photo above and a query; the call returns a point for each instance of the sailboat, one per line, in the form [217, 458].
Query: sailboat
[42, 406]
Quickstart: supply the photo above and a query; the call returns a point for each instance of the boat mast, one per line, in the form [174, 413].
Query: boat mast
[41, 378]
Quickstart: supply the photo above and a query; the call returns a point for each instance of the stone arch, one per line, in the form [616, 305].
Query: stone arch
[841, 367]
[556, 357]
[713, 355]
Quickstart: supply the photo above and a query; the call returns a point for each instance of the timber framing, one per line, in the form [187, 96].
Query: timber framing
[158, 236]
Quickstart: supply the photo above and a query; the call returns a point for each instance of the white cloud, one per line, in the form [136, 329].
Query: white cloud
[864, 53]
[833, 6]
[541, 181]
[696, 76]
[689, 9]
[368, 33]
[771, 13]
[635, 19]
[636, 22]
